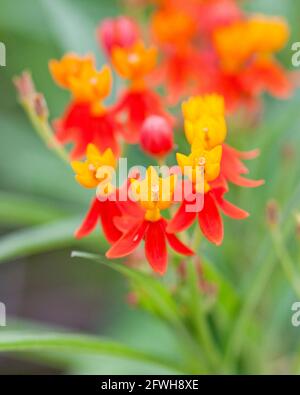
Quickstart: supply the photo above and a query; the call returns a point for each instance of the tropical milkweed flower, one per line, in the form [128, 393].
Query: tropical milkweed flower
[120, 32]
[174, 31]
[153, 195]
[138, 101]
[206, 131]
[86, 120]
[250, 69]
[89, 174]
[157, 136]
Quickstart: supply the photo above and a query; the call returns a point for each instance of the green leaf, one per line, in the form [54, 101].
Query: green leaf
[162, 304]
[41, 238]
[19, 209]
[155, 291]
[20, 342]
[227, 295]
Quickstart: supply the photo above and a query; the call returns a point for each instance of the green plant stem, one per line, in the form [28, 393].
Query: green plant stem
[198, 313]
[285, 259]
[45, 131]
[199, 319]
[252, 297]
[258, 282]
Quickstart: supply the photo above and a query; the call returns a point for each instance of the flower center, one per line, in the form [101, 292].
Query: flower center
[92, 168]
[201, 161]
[155, 193]
[133, 58]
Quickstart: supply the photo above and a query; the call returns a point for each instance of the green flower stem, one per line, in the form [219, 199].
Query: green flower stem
[285, 259]
[45, 131]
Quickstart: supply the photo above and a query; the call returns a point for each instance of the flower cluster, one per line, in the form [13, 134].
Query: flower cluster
[210, 56]
[133, 212]
[213, 46]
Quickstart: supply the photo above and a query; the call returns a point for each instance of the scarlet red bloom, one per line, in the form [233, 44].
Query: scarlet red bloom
[209, 217]
[144, 222]
[216, 13]
[89, 174]
[210, 220]
[156, 238]
[157, 136]
[101, 212]
[80, 126]
[218, 163]
[179, 71]
[86, 120]
[119, 32]
[244, 72]
[135, 107]
[138, 102]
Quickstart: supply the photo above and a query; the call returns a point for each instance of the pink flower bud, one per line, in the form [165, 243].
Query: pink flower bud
[156, 136]
[120, 32]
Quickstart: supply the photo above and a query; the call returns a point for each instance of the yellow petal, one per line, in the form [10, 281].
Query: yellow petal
[214, 155]
[79, 167]
[183, 160]
[109, 158]
[212, 171]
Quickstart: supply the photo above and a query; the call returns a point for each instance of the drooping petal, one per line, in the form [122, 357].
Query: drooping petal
[231, 210]
[183, 218]
[155, 247]
[267, 75]
[109, 212]
[232, 168]
[129, 241]
[245, 182]
[247, 155]
[231, 161]
[91, 220]
[81, 127]
[178, 246]
[210, 220]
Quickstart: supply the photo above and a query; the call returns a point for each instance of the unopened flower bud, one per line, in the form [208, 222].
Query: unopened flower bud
[24, 86]
[157, 136]
[119, 32]
[272, 213]
[40, 106]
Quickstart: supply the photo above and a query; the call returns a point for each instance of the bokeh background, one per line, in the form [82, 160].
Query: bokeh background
[41, 205]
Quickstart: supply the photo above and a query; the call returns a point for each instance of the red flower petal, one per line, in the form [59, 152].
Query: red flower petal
[81, 127]
[178, 246]
[247, 155]
[129, 241]
[175, 243]
[267, 75]
[245, 182]
[231, 210]
[183, 219]
[109, 211]
[90, 220]
[231, 162]
[210, 220]
[155, 247]
[232, 168]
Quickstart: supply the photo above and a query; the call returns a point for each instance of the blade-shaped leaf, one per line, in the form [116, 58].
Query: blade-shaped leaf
[38, 239]
[20, 342]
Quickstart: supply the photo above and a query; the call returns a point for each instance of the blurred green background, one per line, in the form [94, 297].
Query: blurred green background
[41, 205]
